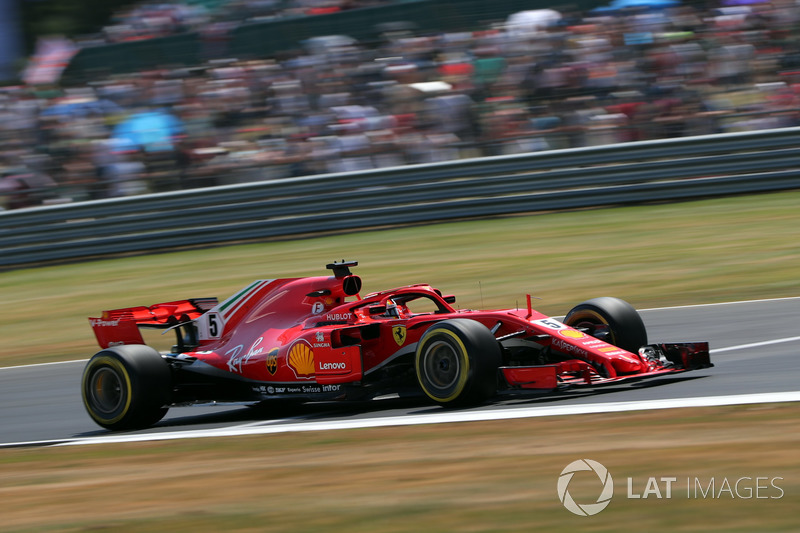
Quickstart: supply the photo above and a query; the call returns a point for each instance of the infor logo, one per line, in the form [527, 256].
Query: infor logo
[585, 509]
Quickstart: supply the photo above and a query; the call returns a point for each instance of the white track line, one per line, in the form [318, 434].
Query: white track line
[43, 364]
[270, 427]
[754, 345]
[443, 417]
[763, 300]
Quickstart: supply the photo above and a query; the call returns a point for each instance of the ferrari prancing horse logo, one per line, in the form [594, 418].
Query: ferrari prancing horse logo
[399, 334]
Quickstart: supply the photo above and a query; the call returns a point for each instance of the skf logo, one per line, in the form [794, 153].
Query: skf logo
[272, 361]
[399, 334]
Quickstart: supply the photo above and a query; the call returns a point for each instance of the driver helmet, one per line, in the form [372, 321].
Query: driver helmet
[391, 309]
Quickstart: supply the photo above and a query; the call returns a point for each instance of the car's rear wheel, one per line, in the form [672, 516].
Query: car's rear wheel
[610, 319]
[126, 387]
[456, 362]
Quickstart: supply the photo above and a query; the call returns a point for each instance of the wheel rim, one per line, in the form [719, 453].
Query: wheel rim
[106, 391]
[595, 326]
[441, 366]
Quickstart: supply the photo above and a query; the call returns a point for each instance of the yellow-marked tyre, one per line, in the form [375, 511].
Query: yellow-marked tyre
[613, 320]
[126, 387]
[456, 362]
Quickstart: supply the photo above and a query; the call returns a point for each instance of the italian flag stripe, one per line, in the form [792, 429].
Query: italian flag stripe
[241, 296]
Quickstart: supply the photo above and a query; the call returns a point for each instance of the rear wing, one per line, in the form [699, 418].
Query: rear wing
[121, 326]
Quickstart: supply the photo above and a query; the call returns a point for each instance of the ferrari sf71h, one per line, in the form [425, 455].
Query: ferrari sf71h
[316, 338]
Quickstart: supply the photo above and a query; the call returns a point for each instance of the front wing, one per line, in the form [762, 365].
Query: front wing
[665, 358]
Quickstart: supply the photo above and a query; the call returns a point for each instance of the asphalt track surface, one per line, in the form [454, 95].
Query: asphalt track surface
[755, 347]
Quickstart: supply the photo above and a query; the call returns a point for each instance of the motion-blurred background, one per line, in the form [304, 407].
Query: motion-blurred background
[117, 98]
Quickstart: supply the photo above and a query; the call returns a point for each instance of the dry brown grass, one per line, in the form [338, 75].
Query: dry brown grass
[490, 476]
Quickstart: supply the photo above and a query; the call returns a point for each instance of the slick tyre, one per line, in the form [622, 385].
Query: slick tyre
[610, 319]
[126, 387]
[456, 362]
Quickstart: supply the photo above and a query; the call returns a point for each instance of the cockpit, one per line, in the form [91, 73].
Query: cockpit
[406, 302]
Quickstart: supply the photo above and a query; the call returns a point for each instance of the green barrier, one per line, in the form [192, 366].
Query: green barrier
[268, 38]
[175, 50]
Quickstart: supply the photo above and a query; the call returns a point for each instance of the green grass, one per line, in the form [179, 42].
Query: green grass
[694, 252]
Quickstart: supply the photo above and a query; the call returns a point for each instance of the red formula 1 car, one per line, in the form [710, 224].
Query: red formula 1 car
[315, 338]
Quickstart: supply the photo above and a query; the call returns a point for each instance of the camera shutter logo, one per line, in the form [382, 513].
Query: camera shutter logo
[586, 509]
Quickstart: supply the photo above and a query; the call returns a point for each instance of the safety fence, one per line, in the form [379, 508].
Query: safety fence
[631, 173]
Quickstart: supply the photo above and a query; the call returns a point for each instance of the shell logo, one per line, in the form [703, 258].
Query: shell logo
[572, 334]
[301, 360]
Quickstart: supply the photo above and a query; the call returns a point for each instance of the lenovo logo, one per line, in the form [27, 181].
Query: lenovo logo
[333, 366]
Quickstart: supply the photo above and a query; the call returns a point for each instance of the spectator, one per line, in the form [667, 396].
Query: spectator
[588, 79]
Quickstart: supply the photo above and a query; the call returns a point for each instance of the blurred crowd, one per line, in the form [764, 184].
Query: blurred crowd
[147, 20]
[572, 80]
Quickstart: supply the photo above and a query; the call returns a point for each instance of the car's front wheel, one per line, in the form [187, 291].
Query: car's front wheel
[610, 319]
[126, 387]
[456, 362]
